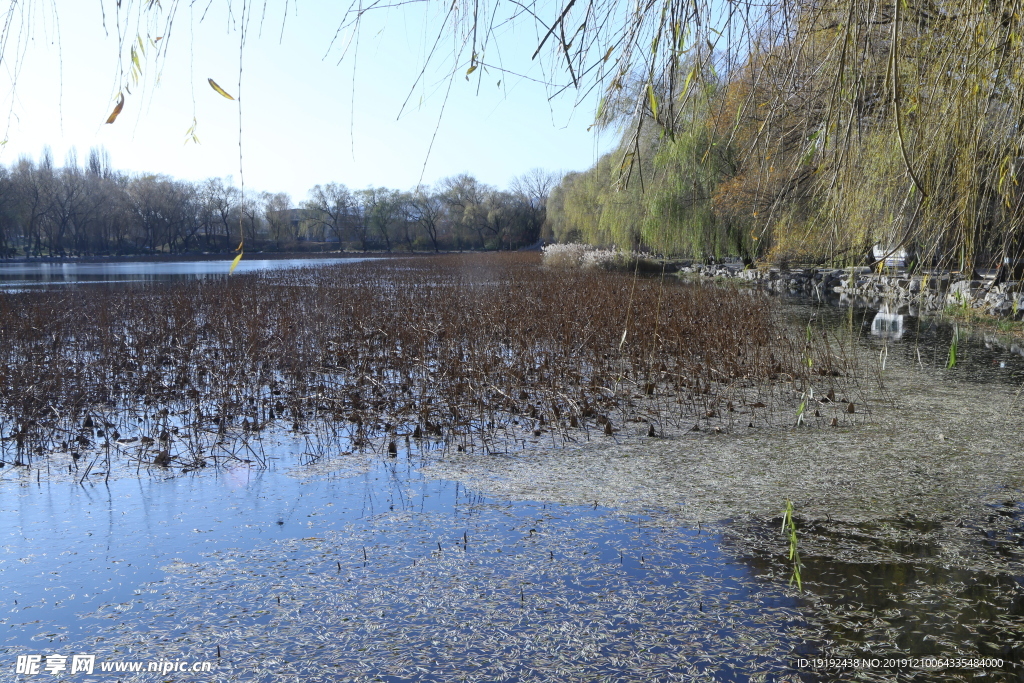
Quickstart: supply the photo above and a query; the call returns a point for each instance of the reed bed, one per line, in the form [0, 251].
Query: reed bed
[467, 352]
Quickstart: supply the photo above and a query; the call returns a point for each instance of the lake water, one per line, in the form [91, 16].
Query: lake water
[380, 574]
[19, 276]
[656, 559]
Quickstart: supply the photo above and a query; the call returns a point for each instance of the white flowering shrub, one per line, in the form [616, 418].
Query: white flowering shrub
[565, 255]
[577, 255]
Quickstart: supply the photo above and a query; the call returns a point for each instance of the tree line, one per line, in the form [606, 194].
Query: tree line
[93, 209]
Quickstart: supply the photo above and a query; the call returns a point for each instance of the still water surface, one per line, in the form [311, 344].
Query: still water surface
[18, 276]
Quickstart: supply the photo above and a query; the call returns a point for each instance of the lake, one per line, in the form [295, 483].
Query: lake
[609, 558]
[18, 276]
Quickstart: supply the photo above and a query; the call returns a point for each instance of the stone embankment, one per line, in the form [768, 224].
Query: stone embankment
[927, 292]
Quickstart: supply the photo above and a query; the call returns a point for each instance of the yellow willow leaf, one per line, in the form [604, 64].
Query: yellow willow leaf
[689, 77]
[652, 100]
[190, 134]
[158, 39]
[627, 159]
[220, 90]
[471, 70]
[607, 55]
[239, 247]
[234, 264]
[117, 109]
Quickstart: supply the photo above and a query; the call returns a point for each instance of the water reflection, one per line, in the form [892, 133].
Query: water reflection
[896, 589]
[887, 325]
[20, 276]
[923, 341]
[392, 575]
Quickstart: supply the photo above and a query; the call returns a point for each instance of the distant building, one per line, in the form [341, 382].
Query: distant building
[894, 258]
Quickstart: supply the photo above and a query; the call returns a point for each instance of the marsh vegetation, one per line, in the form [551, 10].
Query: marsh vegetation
[490, 353]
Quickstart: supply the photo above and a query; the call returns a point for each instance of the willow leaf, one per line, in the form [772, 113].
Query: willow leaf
[220, 90]
[653, 100]
[117, 109]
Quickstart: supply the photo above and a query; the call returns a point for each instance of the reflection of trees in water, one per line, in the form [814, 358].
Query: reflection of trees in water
[904, 587]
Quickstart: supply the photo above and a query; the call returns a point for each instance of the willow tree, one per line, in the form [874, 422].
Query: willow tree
[889, 122]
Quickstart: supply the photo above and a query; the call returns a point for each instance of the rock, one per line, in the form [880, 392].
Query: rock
[962, 291]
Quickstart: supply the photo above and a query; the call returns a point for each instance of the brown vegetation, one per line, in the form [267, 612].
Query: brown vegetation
[466, 351]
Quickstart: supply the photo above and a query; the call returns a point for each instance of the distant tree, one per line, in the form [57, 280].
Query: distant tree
[253, 218]
[333, 208]
[8, 216]
[222, 203]
[276, 206]
[532, 189]
[465, 198]
[407, 223]
[163, 211]
[91, 209]
[99, 165]
[384, 207]
[428, 211]
[535, 186]
[29, 183]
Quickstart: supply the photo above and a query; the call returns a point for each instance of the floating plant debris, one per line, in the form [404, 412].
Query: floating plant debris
[528, 593]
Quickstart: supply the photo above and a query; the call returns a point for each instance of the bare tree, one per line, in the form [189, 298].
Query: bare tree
[332, 207]
[223, 202]
[428, 211]
[381, 207]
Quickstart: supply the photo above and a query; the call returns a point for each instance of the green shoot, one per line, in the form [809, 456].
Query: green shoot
[789, 527]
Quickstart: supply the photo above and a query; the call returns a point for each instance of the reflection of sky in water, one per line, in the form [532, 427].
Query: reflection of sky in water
[106, 559]
[23, 275]
[65, 549]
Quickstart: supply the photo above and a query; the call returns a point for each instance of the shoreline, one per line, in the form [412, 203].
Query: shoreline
[921, 294]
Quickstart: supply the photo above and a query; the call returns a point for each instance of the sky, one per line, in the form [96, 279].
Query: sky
[305, 118]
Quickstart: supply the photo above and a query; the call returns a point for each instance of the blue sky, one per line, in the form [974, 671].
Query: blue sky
[301, 124]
